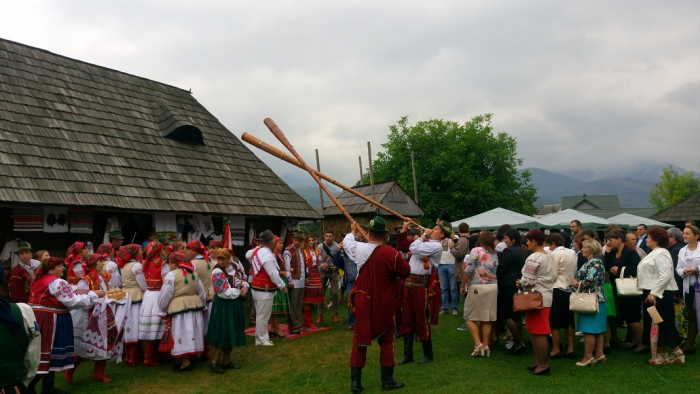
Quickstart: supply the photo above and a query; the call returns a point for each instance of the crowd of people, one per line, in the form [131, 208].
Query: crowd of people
[185, 300]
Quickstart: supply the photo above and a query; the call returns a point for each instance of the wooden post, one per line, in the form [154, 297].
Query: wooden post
[362, 176]
[320, 193]
[415, 185]
[371, 173]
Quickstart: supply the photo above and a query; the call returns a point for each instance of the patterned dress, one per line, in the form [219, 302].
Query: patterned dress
[227, 323]
[592, 278]
[313, 292]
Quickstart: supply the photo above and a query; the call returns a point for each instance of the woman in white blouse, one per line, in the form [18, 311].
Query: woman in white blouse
[655, 279]
[689, 269]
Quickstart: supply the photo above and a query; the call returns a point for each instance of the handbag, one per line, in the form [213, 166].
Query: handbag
[626, 287]
[583, 302]
[524, 301]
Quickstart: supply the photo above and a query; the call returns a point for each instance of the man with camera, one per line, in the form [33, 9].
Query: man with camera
[329, 273]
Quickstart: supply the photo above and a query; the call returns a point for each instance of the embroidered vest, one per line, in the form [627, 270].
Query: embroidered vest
[204, 274]
[40, 294]
[295, 264]
[94, 283]
[152, 272]
[129, 283]
[262, 282]
[185, 296]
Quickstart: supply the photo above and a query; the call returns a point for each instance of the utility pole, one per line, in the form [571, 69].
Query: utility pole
[415, 185]
[320, 193]
[371, 173]
[361, 174]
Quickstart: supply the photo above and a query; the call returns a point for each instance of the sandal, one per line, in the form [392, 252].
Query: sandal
[477, 350]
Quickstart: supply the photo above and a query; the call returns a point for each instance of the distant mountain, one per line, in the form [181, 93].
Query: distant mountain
[310, 194]
[551, 187]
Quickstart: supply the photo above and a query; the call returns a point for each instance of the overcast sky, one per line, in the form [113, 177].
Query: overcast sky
[598, 84]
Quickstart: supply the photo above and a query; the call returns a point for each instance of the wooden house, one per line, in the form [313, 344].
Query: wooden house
[83, 147]
[678, 213]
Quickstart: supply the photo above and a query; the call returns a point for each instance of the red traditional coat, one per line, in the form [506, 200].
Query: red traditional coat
[375, 293]
[434, 290]
[19, 285]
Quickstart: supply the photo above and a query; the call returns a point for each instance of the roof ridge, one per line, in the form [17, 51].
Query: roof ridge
[88, 63]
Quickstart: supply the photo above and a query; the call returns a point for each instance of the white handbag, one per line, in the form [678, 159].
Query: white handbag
[626, 287]
[583, 302]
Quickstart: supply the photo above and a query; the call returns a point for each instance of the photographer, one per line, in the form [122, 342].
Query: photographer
[329, 273]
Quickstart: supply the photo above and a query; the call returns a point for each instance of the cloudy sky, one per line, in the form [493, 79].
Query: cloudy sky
[598, 84]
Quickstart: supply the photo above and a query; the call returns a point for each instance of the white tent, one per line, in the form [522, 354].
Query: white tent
[496, 217]
[626, 220]
[564, 218]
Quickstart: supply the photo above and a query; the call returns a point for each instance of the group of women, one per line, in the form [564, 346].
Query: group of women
[161, 301]
[491, 279]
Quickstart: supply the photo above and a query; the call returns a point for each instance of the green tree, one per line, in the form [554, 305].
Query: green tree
[673, 187]
[461, 169]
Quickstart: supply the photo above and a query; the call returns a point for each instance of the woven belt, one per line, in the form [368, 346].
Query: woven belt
[418, 281]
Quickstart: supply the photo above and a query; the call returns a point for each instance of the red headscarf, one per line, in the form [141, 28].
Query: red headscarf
[93, 260]
[152, 252]
[105, 249]
[47, 265]
[214, 242]
[183, 262]
[73, 253]
[199, 248]
[128, 252]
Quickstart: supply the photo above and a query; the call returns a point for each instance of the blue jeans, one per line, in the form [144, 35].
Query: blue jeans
[351, 316]
[446, 272]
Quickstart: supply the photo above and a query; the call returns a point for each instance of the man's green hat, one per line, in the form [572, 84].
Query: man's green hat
[446, 228]
[298, 235]
[377, 224]
[23, 246]
[116, 234]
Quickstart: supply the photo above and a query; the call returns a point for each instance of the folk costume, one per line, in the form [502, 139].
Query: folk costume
[111, 266]
[295, 265]
[227, 322]
[52, 298]
[421, 297]
[22, 276]
[151, 316]
[373, 299]
[182, 297]
[74, 263]
[92, 281]
[265, 285]
[313, 292]
[134, 284]
[203, 267]
[280, 304]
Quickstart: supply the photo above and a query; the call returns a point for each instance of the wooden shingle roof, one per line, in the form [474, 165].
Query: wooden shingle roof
[605, 201]
[73, 133]
[687, 209]
[390, 194]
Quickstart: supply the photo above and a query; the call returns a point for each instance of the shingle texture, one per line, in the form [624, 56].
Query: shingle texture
[688, 209]
[390, 194]
[73, 133]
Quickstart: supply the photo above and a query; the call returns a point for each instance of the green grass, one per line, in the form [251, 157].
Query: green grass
[319, 363]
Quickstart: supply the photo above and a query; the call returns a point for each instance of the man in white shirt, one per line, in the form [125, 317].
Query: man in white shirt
[421, 296]
[9, 253]
[265, 284]
[296, 276]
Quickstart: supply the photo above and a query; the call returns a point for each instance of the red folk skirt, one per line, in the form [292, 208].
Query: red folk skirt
[313, 292]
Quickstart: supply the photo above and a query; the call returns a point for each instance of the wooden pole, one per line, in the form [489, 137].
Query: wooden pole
[277, 132]
[362, 176]
[320, 194]
[371, 173]
[262, 145]
[415, 185]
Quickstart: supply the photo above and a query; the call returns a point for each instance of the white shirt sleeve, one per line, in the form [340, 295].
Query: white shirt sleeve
[164, 269]
[78, 269]
[166, 292]
[664, 265]
[64, 293]
[137, 269]
[350, 246]
[201, 292]
[224, 290]
[82, 287]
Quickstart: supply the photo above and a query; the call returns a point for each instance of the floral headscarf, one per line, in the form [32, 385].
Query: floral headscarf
[199, 248]
[183, 262]
[105, 249]
[128, 252]
[47, 265]
[152, 252]
[89, 265]
[73, 253]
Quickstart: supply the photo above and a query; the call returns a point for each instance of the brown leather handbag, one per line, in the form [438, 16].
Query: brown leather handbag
[527, 300]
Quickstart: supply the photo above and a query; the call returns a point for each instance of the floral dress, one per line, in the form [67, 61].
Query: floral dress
[592, 277]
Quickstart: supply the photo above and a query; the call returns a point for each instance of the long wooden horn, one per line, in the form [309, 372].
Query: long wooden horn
[260, 144]
[283, 139]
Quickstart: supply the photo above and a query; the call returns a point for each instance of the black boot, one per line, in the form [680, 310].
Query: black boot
[47, 384]
[388, 382]
[356, 380]
[427, 352]
[407, 350]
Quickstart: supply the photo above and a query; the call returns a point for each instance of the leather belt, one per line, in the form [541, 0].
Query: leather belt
[418, 281]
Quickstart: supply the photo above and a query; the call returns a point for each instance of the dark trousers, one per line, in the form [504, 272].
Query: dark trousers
[668, 334]
[358, 356]
[296, 308]
[415, 314]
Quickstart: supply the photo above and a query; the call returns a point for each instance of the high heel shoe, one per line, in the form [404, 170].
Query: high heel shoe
[600, 360]
[477, 350]
[587, 363]
[485, 351]
[517, 351]
[532, 368]
[676, 357]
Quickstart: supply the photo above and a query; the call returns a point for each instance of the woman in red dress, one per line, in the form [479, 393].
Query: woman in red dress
[313, 291]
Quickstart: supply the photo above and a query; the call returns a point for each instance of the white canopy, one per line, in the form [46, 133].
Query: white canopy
[564, 218]
[626, 220]
[496, 217]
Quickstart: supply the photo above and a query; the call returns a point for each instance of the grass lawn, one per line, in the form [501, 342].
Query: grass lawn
[319, 363]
